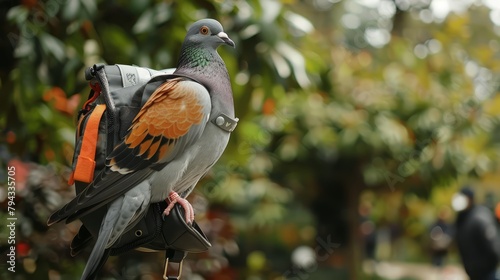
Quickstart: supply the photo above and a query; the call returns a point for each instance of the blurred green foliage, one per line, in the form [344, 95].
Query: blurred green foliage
[334, 97]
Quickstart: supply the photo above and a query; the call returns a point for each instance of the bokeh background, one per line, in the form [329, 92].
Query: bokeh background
[359, 119]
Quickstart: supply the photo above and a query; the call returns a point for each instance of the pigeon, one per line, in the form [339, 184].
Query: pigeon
[171, 144]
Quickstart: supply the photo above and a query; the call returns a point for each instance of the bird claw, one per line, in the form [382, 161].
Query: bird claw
[174, 198]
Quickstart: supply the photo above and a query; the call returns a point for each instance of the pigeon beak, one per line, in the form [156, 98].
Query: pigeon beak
[225, 38]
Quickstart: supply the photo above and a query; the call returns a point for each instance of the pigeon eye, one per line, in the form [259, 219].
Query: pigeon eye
[204, 30]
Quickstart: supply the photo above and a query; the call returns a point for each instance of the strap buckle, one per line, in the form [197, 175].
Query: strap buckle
[172, 277]
[225, 122]
[173, 256]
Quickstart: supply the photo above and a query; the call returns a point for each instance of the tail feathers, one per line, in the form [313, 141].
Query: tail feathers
[122, 212]
[80, 241]
[97, 257]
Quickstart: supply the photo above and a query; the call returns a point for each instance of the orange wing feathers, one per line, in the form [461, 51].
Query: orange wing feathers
[170, 112]
[168, 115]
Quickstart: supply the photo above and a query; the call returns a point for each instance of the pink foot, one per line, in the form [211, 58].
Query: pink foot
[174, 198]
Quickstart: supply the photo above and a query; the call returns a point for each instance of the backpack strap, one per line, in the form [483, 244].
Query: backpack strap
[85, 163]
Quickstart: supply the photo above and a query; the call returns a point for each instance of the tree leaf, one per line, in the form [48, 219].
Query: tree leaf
[18, 14]
[71, 9]
[144, 23]
[52, 45]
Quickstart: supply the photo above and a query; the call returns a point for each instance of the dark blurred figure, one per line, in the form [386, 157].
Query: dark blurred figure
[476, 236]
[368, 231]
[440, 238]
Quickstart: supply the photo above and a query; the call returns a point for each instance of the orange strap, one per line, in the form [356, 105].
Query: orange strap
[85, 163]
[97, 91]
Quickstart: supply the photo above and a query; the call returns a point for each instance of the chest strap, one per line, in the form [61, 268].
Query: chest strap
[225, 122]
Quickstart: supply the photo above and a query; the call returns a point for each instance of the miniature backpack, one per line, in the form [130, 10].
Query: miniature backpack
[117, 94]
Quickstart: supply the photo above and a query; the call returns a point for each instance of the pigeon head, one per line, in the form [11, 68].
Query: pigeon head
[207, 33]
[199, 60]
[199, 57]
